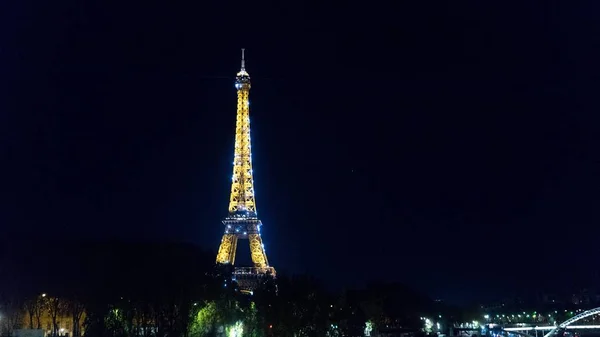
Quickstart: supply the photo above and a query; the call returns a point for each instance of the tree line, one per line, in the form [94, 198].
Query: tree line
[120, 289]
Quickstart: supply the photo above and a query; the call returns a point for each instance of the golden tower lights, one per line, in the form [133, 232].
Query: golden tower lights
[242, 221]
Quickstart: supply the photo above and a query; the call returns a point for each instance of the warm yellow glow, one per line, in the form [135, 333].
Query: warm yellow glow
[226, 254]
[242, 184]
[257, 252]
[242, 221]
[64, 319]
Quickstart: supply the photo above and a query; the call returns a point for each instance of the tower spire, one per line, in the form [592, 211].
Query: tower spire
[243, 60]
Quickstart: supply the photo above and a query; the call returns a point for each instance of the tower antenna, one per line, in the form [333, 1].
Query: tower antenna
[243, 60]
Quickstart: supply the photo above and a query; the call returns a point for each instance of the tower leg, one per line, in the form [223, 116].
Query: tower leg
[234, 249]
[257, 252]
[227, 248]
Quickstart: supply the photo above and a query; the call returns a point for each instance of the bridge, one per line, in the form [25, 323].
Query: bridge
[554, 330]
[550, 327]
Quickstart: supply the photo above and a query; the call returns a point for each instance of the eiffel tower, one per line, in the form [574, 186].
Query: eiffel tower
[242, 221]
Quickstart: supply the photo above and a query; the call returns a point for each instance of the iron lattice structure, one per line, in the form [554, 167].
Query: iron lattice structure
[242, 221]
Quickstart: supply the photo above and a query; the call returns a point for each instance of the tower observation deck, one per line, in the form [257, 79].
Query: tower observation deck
[242, 221]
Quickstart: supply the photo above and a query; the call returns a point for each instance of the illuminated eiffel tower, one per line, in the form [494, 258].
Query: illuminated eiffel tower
[242, 221]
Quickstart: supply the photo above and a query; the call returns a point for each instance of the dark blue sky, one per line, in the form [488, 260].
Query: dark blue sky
[391, 140]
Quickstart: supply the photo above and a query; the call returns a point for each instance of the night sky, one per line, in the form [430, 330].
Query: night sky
[448, 145]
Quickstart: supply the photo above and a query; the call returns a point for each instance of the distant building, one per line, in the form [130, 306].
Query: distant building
[38, 315]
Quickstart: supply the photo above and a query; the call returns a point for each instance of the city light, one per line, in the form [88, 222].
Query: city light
[428, 325]
[236, 330]
[368, 328]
